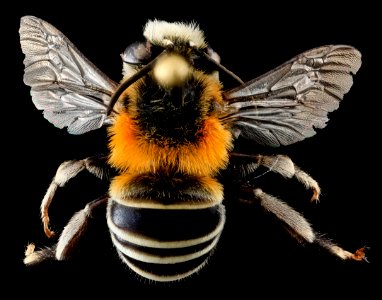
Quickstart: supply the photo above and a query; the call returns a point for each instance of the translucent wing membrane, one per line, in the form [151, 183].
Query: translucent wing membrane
[285, 105]
[71, 91]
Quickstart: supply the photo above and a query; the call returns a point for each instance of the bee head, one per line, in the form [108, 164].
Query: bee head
[172, 51]
[184, 46]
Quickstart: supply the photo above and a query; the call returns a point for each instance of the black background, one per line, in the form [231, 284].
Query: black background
[255, 255]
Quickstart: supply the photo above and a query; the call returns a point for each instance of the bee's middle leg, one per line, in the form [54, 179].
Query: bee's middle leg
[66, 171]
[284, 166]
[68, 238]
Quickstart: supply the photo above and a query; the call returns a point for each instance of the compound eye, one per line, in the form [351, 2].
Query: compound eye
[138, 53]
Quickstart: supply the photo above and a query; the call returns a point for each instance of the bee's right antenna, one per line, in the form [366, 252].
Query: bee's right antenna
[221, 67]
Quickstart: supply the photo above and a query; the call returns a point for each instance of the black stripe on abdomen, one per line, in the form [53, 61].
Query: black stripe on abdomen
[165, 244]
[166, 224]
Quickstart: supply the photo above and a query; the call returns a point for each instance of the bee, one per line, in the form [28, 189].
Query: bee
[172, 128]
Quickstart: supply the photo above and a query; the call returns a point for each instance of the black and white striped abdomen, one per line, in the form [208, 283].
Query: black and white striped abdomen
[164, 244]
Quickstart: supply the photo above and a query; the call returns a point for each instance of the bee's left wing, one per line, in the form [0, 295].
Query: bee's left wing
[285, 105]
[71, 91]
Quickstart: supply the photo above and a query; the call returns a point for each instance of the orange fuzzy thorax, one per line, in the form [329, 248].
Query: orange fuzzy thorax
[132, 152]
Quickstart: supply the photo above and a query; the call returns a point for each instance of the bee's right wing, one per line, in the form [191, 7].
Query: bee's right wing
[71, 91]
[288, 103]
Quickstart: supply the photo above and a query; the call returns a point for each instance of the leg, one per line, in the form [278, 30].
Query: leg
[284, 166]
[66, 171]
[299, 227]
[69, 237]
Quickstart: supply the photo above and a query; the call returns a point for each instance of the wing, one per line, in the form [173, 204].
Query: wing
[70, 90]
[285, 105]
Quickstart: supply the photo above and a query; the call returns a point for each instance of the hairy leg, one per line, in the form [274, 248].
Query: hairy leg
[282, 165]
[68, 239]
[66, 171]
[300, 228]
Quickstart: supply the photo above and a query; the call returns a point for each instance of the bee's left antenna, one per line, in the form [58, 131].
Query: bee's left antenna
[129, 81]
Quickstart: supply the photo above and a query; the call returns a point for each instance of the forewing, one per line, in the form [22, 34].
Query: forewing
[71, 91]
[285, 105]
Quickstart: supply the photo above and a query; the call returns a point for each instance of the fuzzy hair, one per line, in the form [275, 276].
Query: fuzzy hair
[158, 32]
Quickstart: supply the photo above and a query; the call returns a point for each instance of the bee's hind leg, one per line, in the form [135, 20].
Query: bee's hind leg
[68, 238]
[299, 227]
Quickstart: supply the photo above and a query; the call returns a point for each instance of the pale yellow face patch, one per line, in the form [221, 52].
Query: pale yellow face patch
[171, 70]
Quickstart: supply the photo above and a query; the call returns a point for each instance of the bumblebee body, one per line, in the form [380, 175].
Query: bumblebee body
[165, 213]
[172, 128]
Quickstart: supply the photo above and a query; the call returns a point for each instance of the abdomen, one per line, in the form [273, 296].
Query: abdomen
[163, 239]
